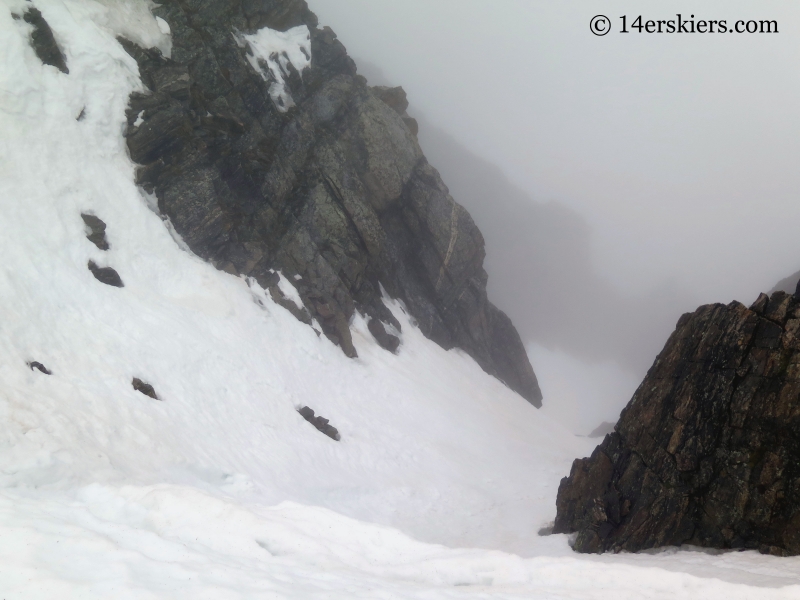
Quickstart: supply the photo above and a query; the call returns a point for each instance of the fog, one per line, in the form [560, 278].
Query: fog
[619, 181]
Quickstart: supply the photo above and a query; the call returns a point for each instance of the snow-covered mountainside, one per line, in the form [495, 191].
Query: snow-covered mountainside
[219, 488]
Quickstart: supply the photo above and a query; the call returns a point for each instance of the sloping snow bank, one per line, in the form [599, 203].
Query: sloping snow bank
[222, 490]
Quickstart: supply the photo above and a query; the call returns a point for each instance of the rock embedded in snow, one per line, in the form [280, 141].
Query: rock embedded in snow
[35, 364]
[386, 340]
[707, 452]
[144, 388]
[333, 188]
[43, 41]
[106, 275]
[97, 231]
[320, 423]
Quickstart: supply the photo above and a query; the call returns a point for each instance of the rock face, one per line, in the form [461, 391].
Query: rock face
[261, 167]
[707, 452]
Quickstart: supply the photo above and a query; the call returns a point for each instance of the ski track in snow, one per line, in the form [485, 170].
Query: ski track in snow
[222, 490]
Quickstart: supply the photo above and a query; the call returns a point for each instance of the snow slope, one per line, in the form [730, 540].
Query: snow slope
[221, 489]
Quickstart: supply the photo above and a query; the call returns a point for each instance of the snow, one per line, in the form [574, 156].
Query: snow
[289, 290]
[271, 52]
[437, 488]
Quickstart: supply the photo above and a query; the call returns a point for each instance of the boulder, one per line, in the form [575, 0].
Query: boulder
[385, 340]
[97, 230]
[106, 275]
[144, 388]
[322, 424]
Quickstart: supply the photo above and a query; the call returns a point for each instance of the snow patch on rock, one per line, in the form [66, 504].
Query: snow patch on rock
[289, 290]
[133, 20]
[270, 54]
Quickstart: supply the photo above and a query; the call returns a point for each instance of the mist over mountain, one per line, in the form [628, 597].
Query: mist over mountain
[539, 257]
[787, 284]
[541, 271]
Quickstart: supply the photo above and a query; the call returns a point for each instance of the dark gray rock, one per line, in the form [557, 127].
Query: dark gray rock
[707, 452]
[320, 423]
[43, 41]
[386, 340]
[144, 388]
[106, 275]
[396, 99]
[97, 231]
[39, 367]
[334, 189]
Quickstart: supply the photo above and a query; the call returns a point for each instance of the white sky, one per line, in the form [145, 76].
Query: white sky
[680, 151]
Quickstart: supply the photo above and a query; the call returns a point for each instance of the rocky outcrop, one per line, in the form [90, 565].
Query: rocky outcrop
[707, 452]
[260, 167]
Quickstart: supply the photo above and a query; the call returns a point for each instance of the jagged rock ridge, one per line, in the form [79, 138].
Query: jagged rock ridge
[707, 452]
[331, 187]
